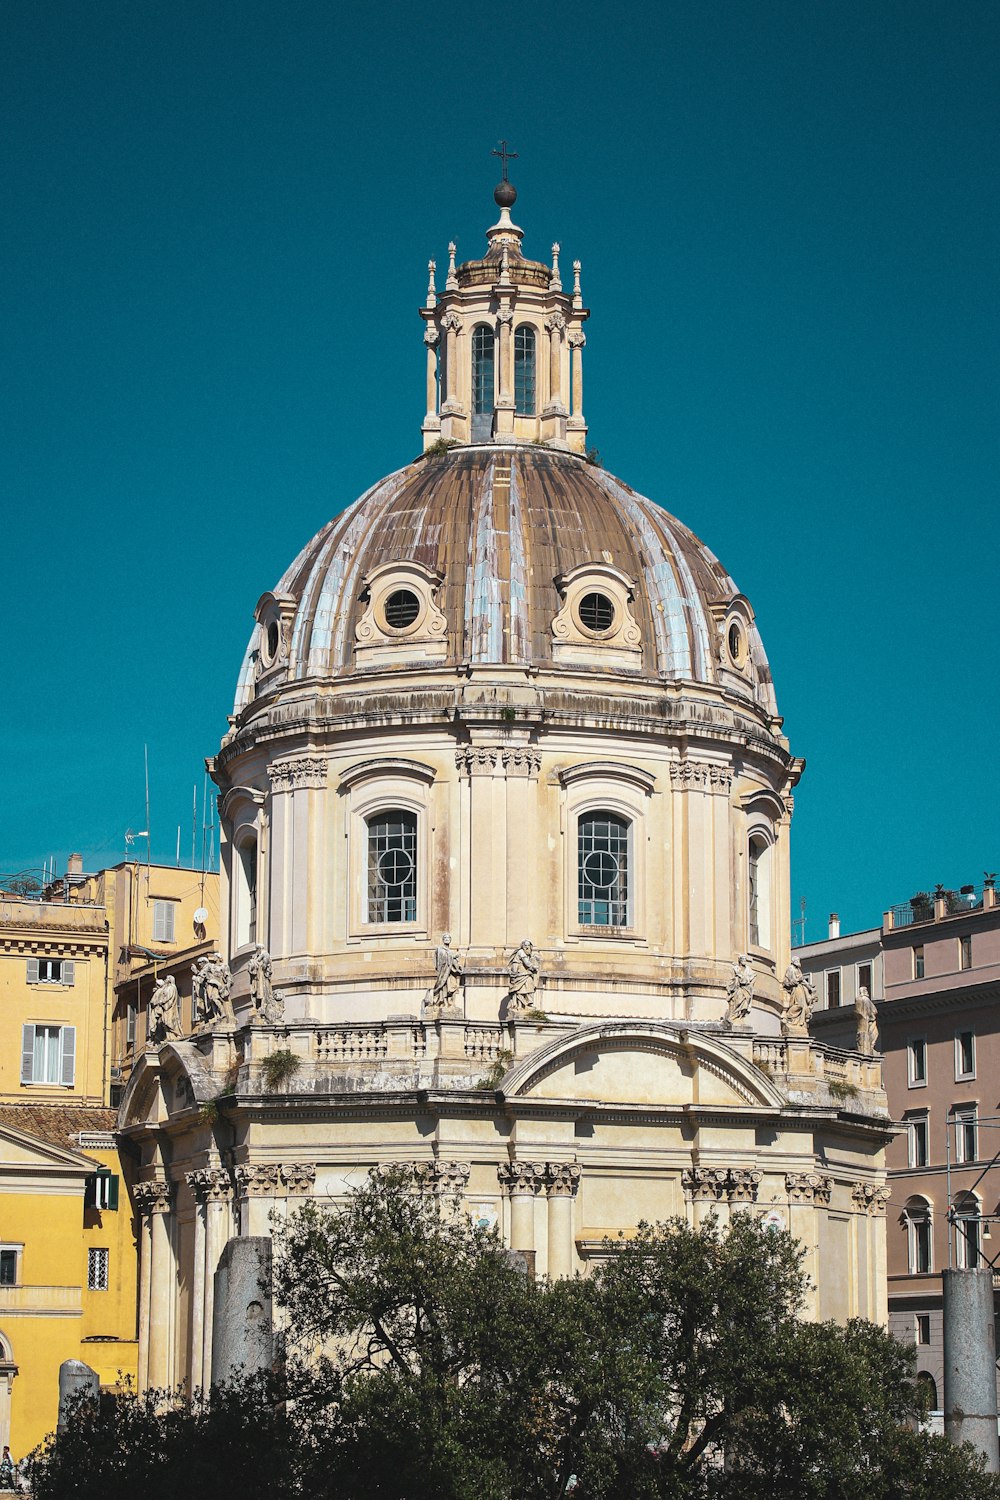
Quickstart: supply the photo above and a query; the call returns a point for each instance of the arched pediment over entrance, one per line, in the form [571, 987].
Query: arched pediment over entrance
[656, 1064]
[163, 1083]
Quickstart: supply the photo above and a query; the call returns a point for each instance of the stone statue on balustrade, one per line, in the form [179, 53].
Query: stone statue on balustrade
[867, 1018]
[449, 977]
[522, 977]
[800, 997]
[211, 982]
[739, 991]
[164, 1019]
[268, 1004]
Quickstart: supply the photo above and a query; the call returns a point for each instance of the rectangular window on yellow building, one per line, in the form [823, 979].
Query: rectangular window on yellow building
[48, 1055]
[97, 1270]
[163, 921]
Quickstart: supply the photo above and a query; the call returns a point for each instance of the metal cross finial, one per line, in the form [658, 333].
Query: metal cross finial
[505, 156]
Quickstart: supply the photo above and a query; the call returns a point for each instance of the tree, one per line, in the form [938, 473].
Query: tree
[423, 1363]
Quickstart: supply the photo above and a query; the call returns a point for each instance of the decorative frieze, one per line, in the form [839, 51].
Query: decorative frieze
[257, 1179]
[808, 1187]
[153, 1197]
[700, 773]
[302, 771]
[210, 1184]
[476, 760]
[298, 1176]
[869, 1197]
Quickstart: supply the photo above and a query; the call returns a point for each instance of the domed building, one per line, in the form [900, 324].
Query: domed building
[506, 806]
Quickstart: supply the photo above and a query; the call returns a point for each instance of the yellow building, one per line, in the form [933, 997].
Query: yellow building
[77, 966]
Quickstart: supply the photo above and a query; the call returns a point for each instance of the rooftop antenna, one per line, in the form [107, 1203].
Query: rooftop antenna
[145, 753]
[800, 922]
[194, 822]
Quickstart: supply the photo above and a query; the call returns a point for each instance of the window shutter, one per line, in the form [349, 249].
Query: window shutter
[33, 971]
[113, 1192]
[28, 1050]
[68, 971]
[68, 1056]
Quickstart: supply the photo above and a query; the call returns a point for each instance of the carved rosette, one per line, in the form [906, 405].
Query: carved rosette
[153, 1197]
[808, 1187]
[520, 760]
[210, 1184]
[522, 1176]
[476, 760]
[562, 1179]
[870, 1198]
[298, 1177]
[302, 771]
[699, 773]
[257, 1179]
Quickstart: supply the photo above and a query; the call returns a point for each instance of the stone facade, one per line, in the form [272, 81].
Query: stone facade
[506, 699]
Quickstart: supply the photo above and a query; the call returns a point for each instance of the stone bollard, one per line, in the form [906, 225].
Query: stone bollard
[74, 1377]
[242, 1331]
[970, 1373]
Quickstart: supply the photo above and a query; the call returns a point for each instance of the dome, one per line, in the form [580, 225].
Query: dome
[495, 537]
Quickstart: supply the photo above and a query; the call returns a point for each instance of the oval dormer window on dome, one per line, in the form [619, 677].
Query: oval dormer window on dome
[597, 613]
[595, 625]
[400, 620]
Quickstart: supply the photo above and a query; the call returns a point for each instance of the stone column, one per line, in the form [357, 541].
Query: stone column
[431, 339]
[487, 834]
[554, 326]
[563, 1181]
[808, 1193]
[299, 776]
[521, 765]
[213, 1191]
[523, 1181]
[257, 1188]
[970, 1377]
[870, 1200]
[156, 1309]
[451, 407]
[705, 1189]
[577, 340]
[505, 400]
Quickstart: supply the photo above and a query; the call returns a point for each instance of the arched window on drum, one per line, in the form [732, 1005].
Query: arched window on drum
[603, 873]
[392, 867]
[245, 878]
[483, 381]
[524, 370]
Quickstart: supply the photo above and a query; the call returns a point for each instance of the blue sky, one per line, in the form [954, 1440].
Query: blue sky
[217, 219]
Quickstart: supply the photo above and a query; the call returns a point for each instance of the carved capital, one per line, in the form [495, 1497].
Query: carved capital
[808, 1187]
[522, 1176]
[476, 760]
[451, 323]
[304, 770]
[298, 1176]
[870, 1198]
[442, 1176]
[521, 760]
[743, 1184]
[431, 337]
[153, 1197]
[705, 1184]
[563, 1179]
[505, 316]
[556, 323]
[257, 1179]
[701, 774]
[210, 1184]
[577, 339]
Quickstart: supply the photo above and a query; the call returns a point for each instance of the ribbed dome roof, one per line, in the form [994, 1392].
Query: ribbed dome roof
[499, 526]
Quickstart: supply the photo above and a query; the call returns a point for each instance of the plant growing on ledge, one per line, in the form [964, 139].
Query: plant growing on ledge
[278, 1068]
[491, 1078]
[840, 1089]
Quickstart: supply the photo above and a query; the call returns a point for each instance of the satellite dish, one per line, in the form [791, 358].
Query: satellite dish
[201, 916]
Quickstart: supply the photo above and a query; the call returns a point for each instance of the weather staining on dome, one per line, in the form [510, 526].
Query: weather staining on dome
[482, 537]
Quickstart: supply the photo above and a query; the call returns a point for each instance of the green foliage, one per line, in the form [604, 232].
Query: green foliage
[534, 1014]
[841, 1089]
[438, 449]
[278, 1068]
[208, 1114]
[508, 714]
[493, 1076]
[425, 1365]
[594, 457]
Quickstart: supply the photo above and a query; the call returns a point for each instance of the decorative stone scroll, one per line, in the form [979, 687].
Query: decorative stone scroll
[720, 1184]
[441, 1176]
[563, 1179]
[303, 771]
[298, 1177]
[808, 1187]
[870, 1198]
[257, 1179]
[701, 773]
[210, 1184]
[476, 760]
[153, 1197]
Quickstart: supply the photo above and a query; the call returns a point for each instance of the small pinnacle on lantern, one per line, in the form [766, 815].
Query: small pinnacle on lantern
[577, 297]
[555, 282]
[431, 289]
[451, 284]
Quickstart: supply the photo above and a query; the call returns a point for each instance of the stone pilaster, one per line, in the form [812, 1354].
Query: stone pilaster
[523, 1181]
[153, 1199]
[212, 1189]
[257, 1186]
[562, 1182]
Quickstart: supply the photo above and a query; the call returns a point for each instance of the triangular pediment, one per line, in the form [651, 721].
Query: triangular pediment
[22, 1152]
